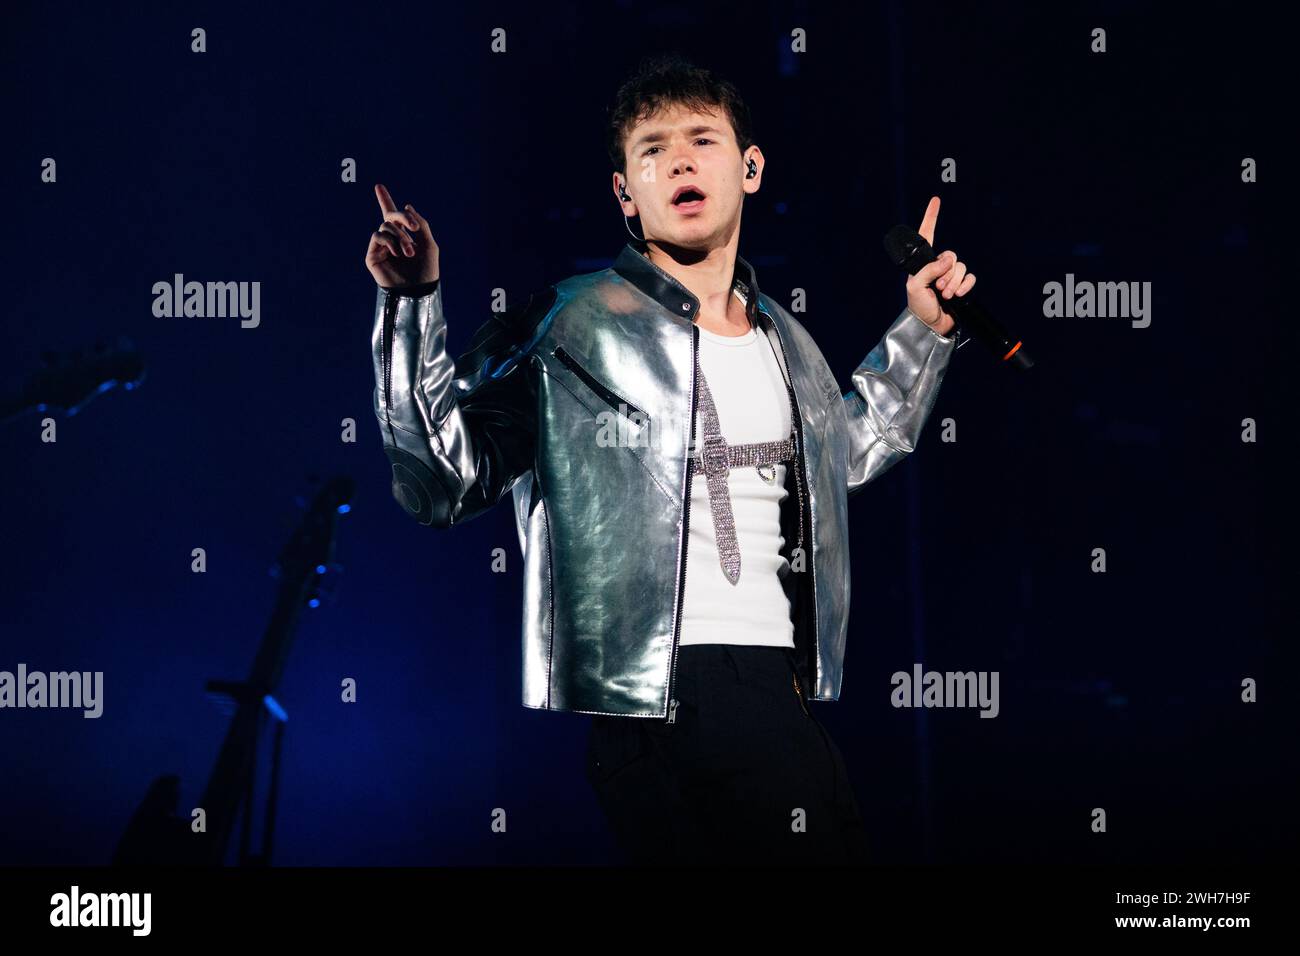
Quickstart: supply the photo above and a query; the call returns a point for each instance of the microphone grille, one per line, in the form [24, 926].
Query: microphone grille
[903, 242]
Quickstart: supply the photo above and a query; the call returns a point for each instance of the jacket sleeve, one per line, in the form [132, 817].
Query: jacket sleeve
[458, 434]
[894, 390]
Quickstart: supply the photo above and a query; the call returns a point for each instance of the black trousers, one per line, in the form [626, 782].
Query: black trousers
[744, 775]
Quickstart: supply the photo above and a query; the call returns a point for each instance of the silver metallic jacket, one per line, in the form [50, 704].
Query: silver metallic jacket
[580, 403]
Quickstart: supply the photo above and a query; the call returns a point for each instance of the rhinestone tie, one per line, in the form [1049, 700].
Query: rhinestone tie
[718, 458]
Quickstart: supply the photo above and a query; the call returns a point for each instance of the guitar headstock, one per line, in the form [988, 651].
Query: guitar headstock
[308, 555]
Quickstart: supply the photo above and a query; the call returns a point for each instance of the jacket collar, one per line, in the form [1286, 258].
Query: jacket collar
[634, 266]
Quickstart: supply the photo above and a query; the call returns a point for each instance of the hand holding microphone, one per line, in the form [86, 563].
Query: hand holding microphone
[936, 291]
[938, 281]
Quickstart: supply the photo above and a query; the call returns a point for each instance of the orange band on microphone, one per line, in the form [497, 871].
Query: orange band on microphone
[1012, 352]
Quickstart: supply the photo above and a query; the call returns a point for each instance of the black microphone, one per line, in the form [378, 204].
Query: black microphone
[908, 248]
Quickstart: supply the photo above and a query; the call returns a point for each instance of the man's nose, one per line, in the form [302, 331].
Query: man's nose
[682, 165]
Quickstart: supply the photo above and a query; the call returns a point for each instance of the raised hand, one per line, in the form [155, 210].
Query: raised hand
[948, 274]
[402, 251]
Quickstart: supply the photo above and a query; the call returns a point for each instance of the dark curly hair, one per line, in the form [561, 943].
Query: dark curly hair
[669, 80]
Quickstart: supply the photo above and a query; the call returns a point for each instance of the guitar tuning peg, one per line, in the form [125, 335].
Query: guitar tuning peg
[323, 594]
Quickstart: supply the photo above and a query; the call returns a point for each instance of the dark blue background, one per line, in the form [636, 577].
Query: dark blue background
[1118, 690]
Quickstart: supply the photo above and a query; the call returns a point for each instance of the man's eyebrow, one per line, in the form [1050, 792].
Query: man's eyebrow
[655, 135]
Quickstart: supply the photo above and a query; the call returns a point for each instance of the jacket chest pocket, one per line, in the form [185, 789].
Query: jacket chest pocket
[602, 391]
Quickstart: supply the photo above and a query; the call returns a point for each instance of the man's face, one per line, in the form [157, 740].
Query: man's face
[674, 151]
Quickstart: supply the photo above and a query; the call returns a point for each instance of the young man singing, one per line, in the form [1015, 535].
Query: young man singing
[680, 459]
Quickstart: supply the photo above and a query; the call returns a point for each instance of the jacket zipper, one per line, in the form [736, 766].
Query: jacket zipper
[801, 481]
[390, 321]
[686, 521]
[608, 395]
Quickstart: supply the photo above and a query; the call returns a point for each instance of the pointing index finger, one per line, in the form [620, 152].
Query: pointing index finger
[928, 221]
[385, 201]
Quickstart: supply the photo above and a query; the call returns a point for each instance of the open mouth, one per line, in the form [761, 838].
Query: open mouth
[688, 199]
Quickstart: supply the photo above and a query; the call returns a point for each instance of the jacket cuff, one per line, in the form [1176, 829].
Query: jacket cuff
[913, 333]
[414, 291]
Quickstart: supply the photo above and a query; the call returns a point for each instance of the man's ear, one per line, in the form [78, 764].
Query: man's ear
[755, 156]
[620, 191]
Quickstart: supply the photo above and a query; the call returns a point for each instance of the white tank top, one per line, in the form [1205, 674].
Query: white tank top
[753, 406]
